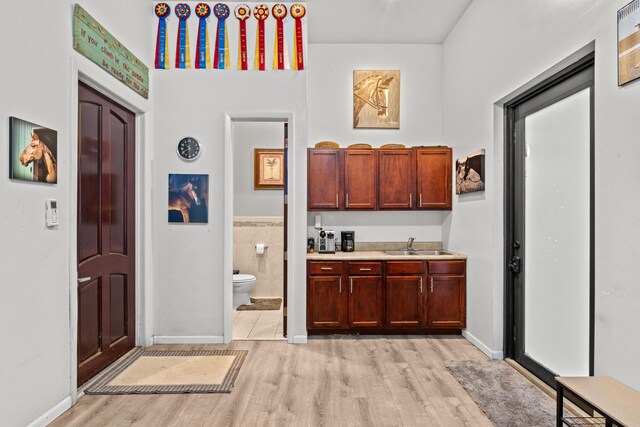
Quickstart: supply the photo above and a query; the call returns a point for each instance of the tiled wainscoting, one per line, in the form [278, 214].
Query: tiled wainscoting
[268, 268]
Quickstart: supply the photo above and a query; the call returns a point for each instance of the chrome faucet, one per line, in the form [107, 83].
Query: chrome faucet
[410, 244]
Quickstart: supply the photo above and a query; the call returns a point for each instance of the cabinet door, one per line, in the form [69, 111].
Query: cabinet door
[360, 179]
[365, 302]
[446, 302]
[323, 179]
[405, 301]
[434, 178]
[396, 179]
[326, 307]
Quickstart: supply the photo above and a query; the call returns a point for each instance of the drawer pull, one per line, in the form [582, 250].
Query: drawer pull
[421, 285]
[365, 269]
[410, 200]
[351, 283]
[347, 199]
[337, 202]
[341, 285]
[431, 284]
[326, 268]
[420, 199]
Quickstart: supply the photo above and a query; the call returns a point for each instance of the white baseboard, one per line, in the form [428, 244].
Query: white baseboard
[299, 339]
[498, 355]
[194, 339]
[52, 413]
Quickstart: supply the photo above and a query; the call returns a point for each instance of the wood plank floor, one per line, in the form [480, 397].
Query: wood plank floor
[331, 381]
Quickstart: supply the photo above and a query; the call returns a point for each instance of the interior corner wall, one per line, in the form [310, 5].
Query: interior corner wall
[247, 201]
[330, 107]
[34, 260]
[496, 47]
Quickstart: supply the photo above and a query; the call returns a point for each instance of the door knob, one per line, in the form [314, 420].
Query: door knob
[514, 265]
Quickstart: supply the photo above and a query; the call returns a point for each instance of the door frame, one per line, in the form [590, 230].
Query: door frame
[230, 119]
[510, 302]
[82, 70]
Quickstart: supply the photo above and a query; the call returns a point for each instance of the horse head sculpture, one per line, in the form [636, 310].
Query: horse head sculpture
[37, 150]
[372, 91]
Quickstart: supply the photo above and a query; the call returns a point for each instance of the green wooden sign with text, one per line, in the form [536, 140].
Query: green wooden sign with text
[93, 41]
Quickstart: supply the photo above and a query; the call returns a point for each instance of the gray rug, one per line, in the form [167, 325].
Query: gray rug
[262, 304]
[508, 398]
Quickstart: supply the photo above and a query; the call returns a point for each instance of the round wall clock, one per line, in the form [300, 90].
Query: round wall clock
[188, 148]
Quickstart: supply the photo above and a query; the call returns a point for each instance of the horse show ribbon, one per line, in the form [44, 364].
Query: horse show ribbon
[298, 12]
[221, 56]
[242, 12]
[162, 42]
[183, 55]
[203, 49]
[261, 13]
[279, 12]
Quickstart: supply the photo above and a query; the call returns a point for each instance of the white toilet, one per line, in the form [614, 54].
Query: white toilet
[243, 285]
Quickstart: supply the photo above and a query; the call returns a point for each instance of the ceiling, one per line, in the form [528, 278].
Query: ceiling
[382, 21]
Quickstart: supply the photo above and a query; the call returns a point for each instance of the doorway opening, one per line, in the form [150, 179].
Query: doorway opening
[259, 232]
[549, 225]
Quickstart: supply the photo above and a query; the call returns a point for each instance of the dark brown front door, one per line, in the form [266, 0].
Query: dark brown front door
[106, 231]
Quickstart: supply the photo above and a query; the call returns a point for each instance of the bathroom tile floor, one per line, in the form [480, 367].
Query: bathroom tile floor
[257, 325]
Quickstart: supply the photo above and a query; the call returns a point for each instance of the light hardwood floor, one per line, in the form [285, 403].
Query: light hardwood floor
[341, 381]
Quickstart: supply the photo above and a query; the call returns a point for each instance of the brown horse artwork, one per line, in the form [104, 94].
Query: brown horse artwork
[374, 91]
[185, 196]
[37, 151]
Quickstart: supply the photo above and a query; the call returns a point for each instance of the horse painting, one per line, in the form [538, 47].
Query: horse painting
[185, 196]
[374, 92]
[470, 173]
[37, 151]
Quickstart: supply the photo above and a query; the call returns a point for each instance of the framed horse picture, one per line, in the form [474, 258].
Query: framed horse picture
[470, 173]
[188, 198]
[376, 99]
[33, 152]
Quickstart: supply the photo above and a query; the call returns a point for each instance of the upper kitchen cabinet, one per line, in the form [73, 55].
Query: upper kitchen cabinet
[434, 178]
[323, 179]
[396, 179]
[360, 179]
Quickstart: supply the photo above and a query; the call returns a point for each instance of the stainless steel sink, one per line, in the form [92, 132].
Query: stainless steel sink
[418, 252]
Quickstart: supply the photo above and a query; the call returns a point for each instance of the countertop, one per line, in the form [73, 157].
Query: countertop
[379, 256]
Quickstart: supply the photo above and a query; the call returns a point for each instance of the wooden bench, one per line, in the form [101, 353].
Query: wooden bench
[617, 404]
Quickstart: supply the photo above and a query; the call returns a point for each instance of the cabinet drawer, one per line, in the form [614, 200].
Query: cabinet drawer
[405, 267]
[447, 267]
[322, 268]
[365, 268]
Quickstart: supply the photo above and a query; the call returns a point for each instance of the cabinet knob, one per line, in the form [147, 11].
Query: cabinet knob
[351, 285]
[432, 284]
[410, 200]
[340, 285]
[337, 201]
[365, 269]
[420, 199]
[326, 268]
[421, 285]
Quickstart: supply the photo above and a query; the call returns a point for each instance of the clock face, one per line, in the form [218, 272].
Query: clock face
[188, 148]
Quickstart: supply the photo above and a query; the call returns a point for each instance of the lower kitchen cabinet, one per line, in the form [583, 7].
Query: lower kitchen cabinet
[326, 308]
[365, 302]
[386, 296]
[446, 306]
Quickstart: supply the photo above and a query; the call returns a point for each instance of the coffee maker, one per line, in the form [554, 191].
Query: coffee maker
[327, 242]
[348, 241]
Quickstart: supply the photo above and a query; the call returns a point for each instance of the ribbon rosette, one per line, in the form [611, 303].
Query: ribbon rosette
[162, 42]
[298, 12]
[242, 13]
[221, 56]
[203, 49]
[183, 55]
[279, 59]
[261, 13]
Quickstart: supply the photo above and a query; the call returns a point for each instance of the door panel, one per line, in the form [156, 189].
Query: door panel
[106, 230]
[434, 178]
[405, 301]
[549, 228]
[326, 307]
[365, 302]
[446, 302]
[360, 179]
[396, 182]
[323, 177]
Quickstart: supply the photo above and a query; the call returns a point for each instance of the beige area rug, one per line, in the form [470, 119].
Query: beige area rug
[262, 304]
[172, 372]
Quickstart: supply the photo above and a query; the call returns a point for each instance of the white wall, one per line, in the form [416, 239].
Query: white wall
[246, 137]
[496, 47]
[330, 106]
[35, 291]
